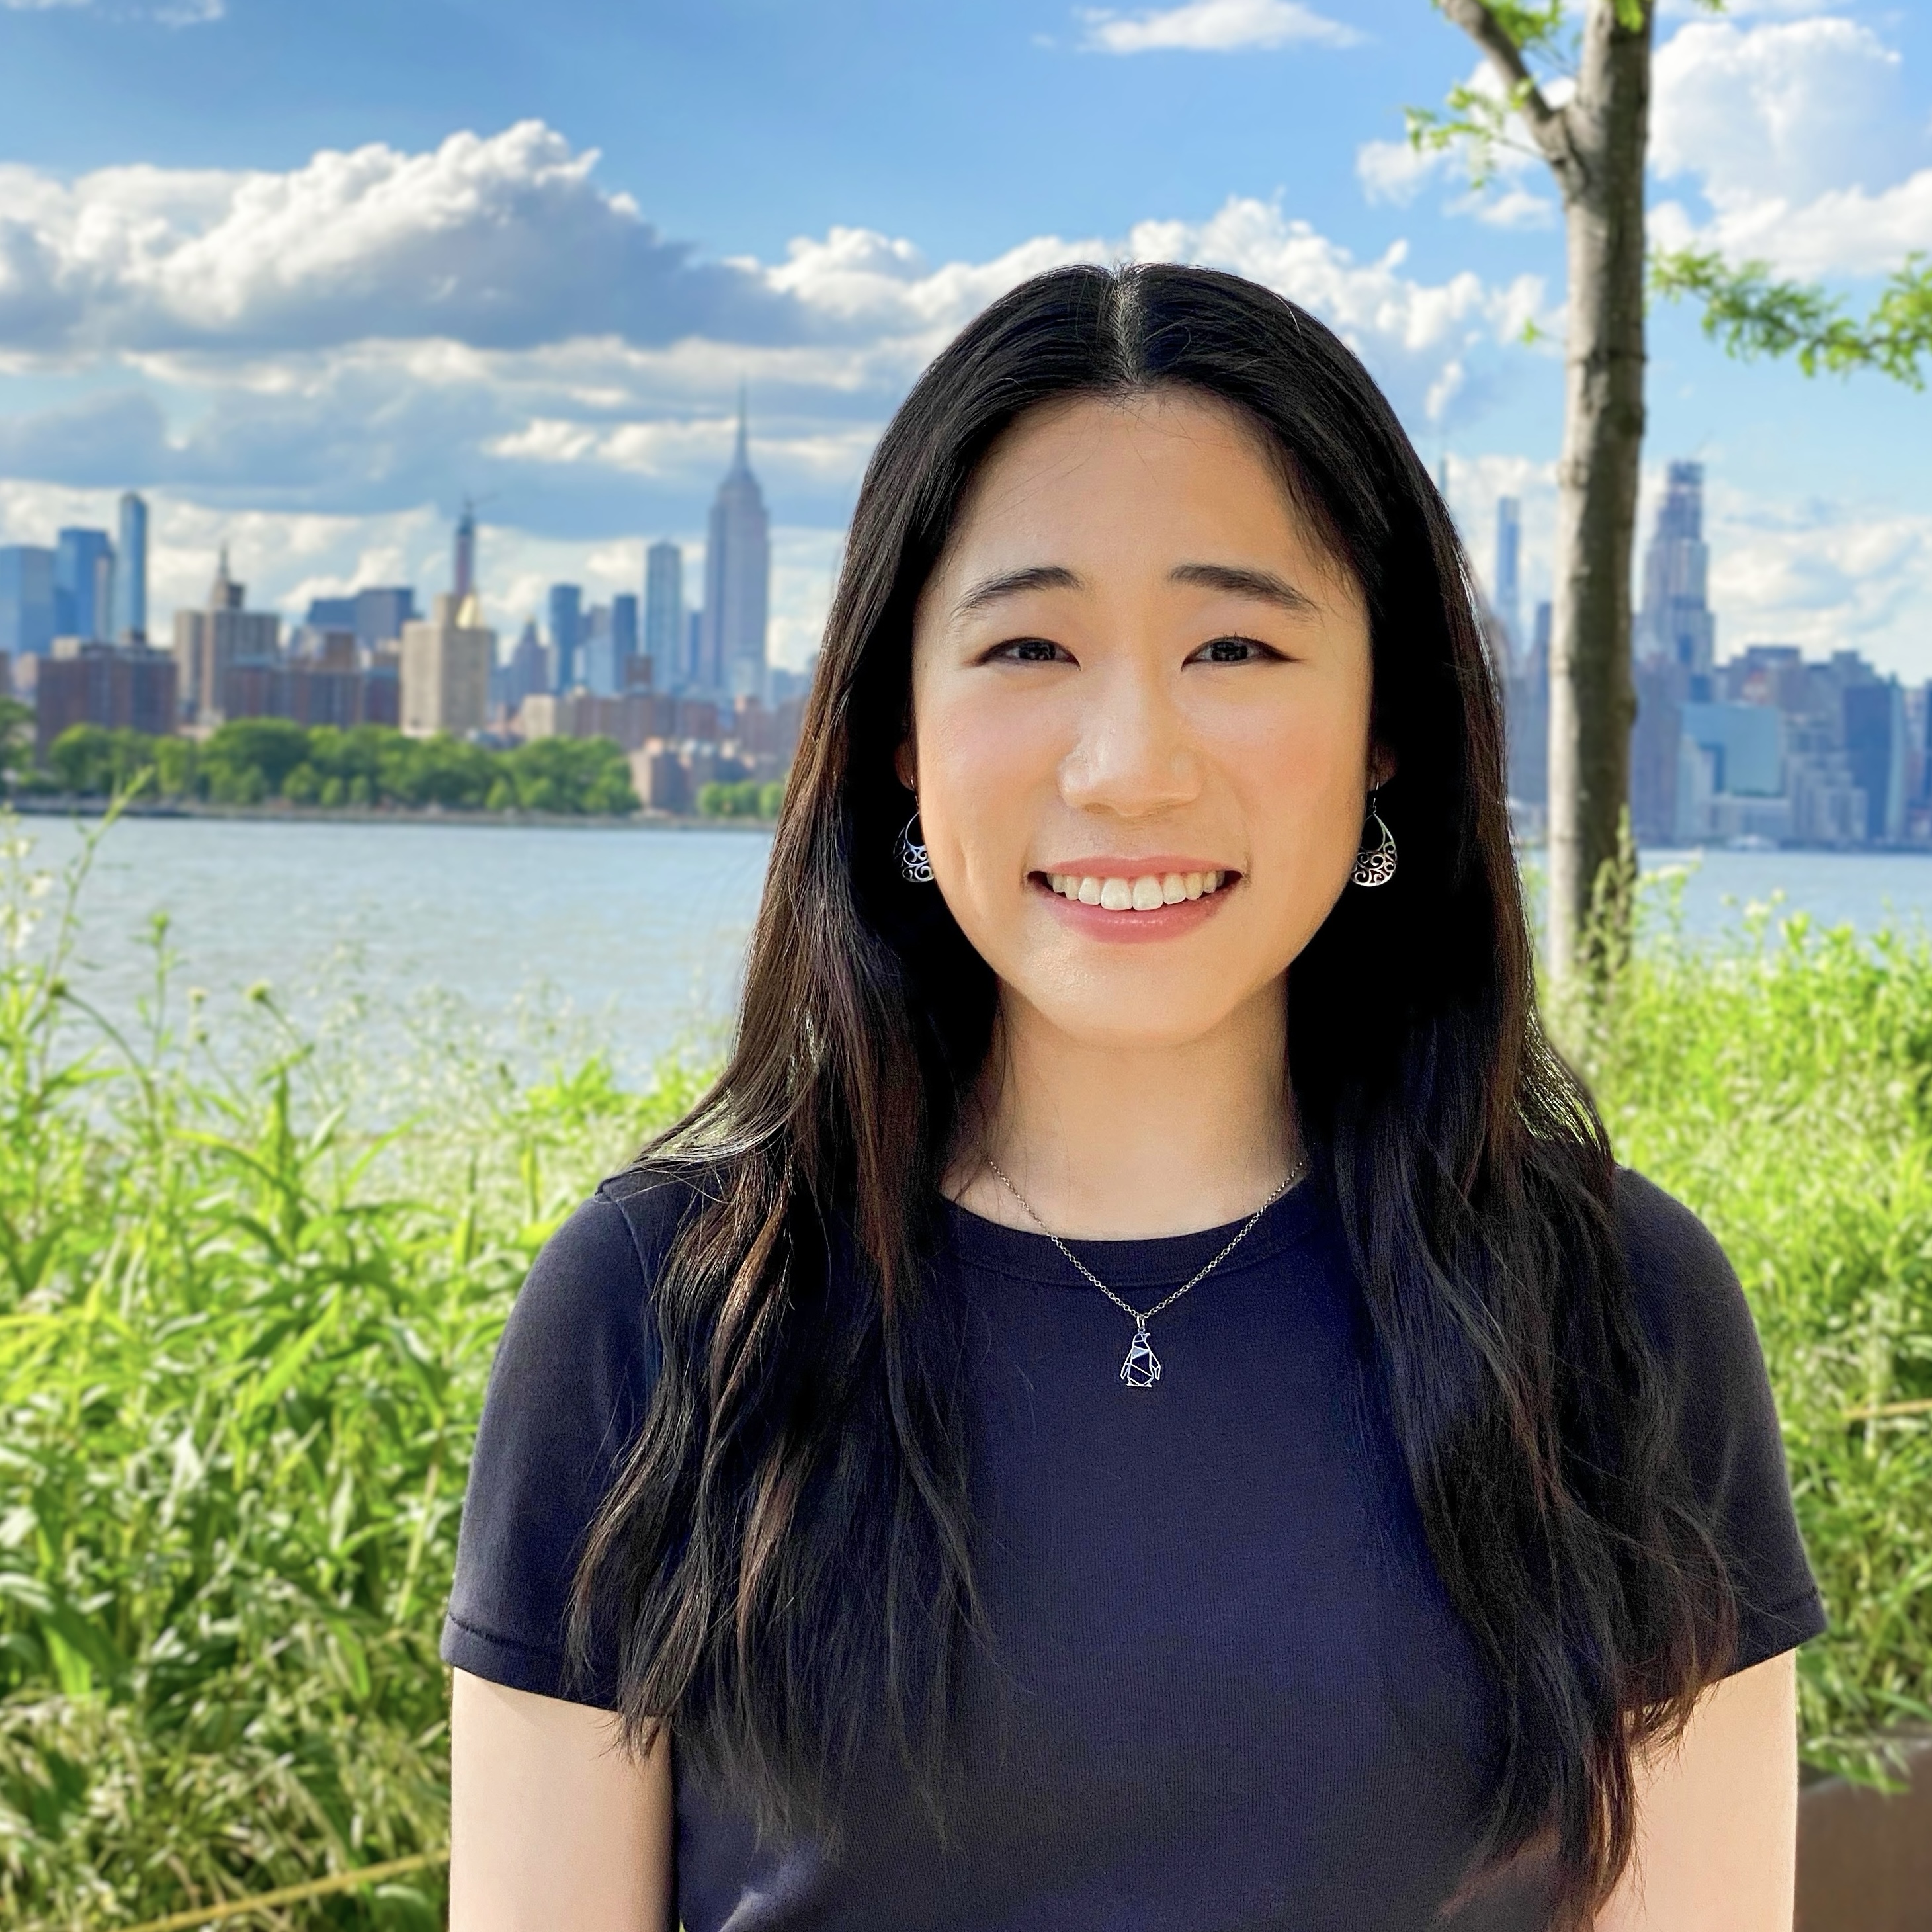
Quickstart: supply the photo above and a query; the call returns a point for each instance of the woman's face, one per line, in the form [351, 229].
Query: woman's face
[1136, 673]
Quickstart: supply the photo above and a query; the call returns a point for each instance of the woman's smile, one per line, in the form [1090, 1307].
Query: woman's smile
[1159, 895]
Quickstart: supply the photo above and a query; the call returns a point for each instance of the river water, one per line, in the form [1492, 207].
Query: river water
[634, 938]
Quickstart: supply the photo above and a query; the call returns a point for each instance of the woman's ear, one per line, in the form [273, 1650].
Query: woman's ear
[1382, 765]
[906, 764]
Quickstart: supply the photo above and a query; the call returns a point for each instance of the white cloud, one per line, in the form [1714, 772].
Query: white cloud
[1801, 141]
[167, 13]
[331, 357]
[502, 240]
[1214, 26]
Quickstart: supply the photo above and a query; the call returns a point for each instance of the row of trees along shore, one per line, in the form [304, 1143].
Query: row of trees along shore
[249, 761]
[1573, 85]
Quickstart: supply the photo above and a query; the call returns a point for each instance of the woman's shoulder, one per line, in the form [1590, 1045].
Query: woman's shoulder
[1685, 1286]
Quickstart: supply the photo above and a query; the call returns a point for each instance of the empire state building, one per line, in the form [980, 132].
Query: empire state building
[737, 579]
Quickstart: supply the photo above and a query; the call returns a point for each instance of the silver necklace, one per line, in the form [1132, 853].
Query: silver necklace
[1142, 1369]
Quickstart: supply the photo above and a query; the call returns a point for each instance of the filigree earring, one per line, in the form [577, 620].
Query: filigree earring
[1375, 861]
[915, 865]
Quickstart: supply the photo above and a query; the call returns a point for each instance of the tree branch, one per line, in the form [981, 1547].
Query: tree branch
[1550, 126]
[1752, 314]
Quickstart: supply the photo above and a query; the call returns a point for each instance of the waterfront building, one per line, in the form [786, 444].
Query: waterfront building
[376, 614]
[208, 644]
[1673, 647]
[121, 687]
[1508, 599]
[130, 575]
[624, 642]
[664, 614]
[1675, 621]
[446, 659]
[26, 602]
[1875, 750]
[84, 585]
[566, 628]
[737, 579]
[529, 668]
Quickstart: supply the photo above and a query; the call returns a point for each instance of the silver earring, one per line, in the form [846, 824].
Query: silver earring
[915, 865]
[1374, 861]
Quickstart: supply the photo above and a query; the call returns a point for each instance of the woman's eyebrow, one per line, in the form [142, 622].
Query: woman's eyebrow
[1011, 582]
[1238, 580]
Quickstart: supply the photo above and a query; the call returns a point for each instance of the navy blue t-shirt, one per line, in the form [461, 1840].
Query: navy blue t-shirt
[1229, 1689]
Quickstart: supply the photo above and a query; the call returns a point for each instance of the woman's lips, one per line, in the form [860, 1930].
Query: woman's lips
[1155, 897]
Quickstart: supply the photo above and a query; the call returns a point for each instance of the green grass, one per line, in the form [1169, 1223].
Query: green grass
[1781, 1083]
[242, 1350]
[244, 1335]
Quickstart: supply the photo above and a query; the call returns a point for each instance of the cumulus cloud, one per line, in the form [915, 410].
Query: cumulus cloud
[1800, 140]
[502, 240]
[1214, 26]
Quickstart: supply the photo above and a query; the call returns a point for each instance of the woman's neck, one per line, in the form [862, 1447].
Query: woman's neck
[1113, 1142]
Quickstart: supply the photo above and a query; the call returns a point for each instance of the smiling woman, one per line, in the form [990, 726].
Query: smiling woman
[1142, 945]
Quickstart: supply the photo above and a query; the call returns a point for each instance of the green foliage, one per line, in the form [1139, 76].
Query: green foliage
[747, 799]
[1782, 1086]
[250, 759]
[243, 1337]
[242, 1349]
[1752, 314]
[17, 739]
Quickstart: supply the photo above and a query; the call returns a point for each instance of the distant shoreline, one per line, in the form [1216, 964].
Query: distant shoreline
[43, 804]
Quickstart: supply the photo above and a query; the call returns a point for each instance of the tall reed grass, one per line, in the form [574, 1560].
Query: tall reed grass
[242, 1350]
[1779, 1081]
[244, 1335]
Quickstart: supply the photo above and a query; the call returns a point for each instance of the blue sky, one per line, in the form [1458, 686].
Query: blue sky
[307, 273]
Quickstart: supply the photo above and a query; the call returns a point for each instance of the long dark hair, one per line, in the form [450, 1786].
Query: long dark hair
[786, 1561]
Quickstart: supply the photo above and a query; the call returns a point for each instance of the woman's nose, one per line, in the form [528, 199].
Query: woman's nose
[1133, 755]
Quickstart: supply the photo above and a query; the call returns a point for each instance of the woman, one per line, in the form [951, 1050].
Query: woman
[1141, 1398]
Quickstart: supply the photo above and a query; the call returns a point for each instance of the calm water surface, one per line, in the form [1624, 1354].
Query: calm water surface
[638, 935]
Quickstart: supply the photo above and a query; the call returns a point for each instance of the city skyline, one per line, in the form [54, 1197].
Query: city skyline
[515, 291]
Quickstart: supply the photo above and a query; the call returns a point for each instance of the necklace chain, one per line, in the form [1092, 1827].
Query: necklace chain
[1143, 1316]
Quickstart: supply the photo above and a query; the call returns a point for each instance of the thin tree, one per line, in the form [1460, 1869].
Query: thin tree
[1595, 140]
[1594, 143]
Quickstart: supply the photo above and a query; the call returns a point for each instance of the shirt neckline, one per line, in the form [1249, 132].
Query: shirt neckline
[1155, 1260]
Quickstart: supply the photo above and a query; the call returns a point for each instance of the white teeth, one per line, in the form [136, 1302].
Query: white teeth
[1147, 893]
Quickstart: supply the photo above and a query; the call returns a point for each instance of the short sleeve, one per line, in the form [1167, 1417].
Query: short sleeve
[567, 1394]
[1697, 1313]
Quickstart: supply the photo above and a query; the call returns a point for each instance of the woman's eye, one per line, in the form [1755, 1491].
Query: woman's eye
[1233, 650]
[1030, 650]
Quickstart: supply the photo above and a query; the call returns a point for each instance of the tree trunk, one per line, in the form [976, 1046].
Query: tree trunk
[1592, 704]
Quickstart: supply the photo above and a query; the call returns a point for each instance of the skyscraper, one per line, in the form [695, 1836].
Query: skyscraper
[464, 574]
[737, 578]
[1509, 572]
[623, 636]
[211, 644]
[83, 584]
[26, 600]
[131, 576]
[1675, 624]
[446, 659]
[664, 614]
[566, 629]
